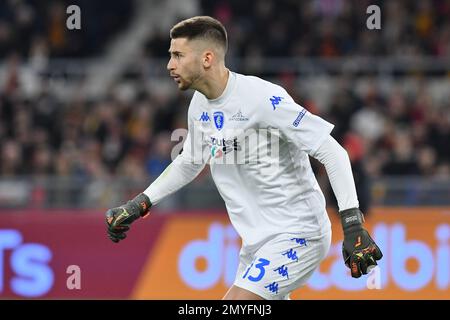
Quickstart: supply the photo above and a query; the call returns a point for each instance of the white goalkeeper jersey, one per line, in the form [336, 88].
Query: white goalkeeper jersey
[256, 139]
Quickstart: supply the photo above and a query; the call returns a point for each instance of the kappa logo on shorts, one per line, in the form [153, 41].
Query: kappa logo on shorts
[273, 287]
[283, 270]
[291, 254]
[300, 241]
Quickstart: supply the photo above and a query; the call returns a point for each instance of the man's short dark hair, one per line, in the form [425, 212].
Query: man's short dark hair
[201, 27]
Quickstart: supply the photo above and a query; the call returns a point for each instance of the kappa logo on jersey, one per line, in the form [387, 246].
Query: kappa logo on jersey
[275, 101]
[299, 118]
[218, 119]
[238, 117]
[204, 117]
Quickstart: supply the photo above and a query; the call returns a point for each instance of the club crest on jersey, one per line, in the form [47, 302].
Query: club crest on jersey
[219, 119]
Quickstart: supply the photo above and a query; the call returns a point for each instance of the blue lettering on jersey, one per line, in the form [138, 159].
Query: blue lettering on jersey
[283, 270]
[299, 118]
[273, 287]
[275, 101]
[291, 254]
[204, 117]
[218, 119]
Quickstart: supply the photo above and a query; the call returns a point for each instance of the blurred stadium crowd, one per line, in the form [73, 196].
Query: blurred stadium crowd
[328, 28]
[33, 28]
[399, 132]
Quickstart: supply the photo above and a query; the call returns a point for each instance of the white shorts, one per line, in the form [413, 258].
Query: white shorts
[281, 265]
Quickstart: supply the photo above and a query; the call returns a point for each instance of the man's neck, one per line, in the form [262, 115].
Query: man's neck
[215, 84]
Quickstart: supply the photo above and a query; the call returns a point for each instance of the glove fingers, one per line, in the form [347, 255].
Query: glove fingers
[374, 249]
[371, 263]
[116, 224]
[363, 261]
[119, 235]
[116, 235]
[363, 264]
[346, 256]
[113, 237]
[118, 229]
[372, 254]
[370, 259]
[355, 267]
[377, 254]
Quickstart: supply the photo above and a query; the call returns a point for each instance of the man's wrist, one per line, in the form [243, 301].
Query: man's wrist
[351, 219]
[140, 205]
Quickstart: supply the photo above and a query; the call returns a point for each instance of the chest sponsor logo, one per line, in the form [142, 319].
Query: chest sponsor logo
[223, 146]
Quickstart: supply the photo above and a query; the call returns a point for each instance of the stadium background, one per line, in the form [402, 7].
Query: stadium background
[86, 118]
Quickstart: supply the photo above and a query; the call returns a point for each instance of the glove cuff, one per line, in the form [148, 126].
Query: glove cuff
[351, 218]
[141, 204]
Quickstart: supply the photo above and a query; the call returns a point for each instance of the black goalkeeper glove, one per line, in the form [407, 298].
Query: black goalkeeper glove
[359, 250]
[118, 219]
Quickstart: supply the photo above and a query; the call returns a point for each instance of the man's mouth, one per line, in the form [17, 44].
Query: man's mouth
[176, 78]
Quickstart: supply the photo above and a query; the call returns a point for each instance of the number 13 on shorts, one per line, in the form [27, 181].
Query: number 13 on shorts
[260, 266]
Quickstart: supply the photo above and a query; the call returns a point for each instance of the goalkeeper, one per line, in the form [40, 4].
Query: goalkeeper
[275, 203]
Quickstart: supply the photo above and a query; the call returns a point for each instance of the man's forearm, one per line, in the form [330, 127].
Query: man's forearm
[178, 174]
[337, 164]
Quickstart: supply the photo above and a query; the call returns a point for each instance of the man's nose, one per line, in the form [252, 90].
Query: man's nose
[170, 65]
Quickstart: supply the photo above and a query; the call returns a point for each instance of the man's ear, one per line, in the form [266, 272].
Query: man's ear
[208, 58]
